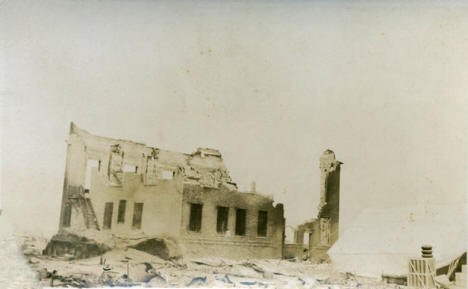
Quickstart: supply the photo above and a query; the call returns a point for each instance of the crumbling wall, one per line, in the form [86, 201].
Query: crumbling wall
[157, 187]
[73, 181]
[148, 167]
[208, 242]
[161, 204]
[323, 230]
[329, 207]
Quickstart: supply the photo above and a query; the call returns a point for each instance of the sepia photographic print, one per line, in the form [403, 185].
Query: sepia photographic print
[233, 144]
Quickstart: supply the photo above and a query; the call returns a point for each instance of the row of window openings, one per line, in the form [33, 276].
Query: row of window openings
[108, 211]
[165, 174]
[195, 218]
[223, 217]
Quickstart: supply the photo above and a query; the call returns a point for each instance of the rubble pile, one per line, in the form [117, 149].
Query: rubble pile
[75, 246]
[129, 267]
[31, 245]
[68, 244]
[166, 248]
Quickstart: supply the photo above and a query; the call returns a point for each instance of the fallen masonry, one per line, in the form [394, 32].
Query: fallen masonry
[78, 247]
[128, 267]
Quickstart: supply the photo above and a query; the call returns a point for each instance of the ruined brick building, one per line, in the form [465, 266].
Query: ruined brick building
[128, 189]
[323, 230]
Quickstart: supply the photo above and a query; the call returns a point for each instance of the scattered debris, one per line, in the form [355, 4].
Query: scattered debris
[162, 247]
[74, 246]
[129, 267]
[197, 281]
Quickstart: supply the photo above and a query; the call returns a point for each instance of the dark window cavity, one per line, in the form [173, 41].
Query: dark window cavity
[137, 215]
[121, 216]
[67, 215]
[222, 219]
[240, 221]
[262, 223]
[108, 215]
[195, 217]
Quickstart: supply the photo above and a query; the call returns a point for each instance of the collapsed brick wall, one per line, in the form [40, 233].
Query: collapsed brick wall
[114, 156]
[323, 230]
[329, 207]
[159, 184]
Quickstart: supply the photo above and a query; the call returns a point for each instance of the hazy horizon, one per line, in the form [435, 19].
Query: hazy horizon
[270, 84]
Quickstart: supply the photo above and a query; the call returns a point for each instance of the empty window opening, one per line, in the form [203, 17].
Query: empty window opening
[324, 231]
[240, 221]
[129, 169]
[137, 215]
[306, 238]
[167, 175]
[107, 223]
[89, 167]
[67, 215]
[151, 173]
[115, 164]
[307, 245]
[262, 223]
[195, 217]
[99, 165]
[222, 219]
[121, 215]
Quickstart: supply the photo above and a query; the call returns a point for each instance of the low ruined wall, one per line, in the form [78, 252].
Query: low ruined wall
[239, 249]
[291, 251]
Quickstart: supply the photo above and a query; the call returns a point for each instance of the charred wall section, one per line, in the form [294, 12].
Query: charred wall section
[96, 166]
[121, 188]
[330, 194]
[324, 230]
[243, 209]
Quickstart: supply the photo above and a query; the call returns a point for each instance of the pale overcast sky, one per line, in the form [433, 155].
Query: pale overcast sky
[270, 84]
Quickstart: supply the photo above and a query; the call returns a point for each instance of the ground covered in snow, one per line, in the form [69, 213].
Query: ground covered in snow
[130, 267]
